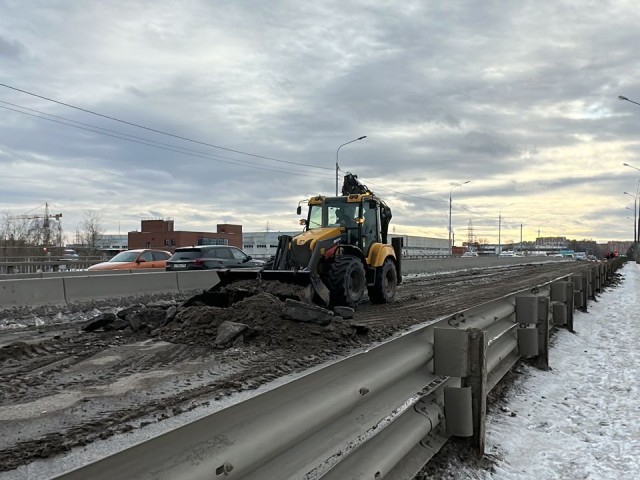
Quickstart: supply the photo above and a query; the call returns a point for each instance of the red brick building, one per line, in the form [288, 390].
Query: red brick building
[160, 234]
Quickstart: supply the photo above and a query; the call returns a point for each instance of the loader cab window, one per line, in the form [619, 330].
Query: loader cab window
[315, 217]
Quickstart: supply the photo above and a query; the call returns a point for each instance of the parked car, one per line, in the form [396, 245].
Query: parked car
[70, 255]
[203, 257]
[134, 259]
[469, 254]
[507, 254]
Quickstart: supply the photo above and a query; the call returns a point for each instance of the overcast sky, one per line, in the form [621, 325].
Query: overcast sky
[520, 98]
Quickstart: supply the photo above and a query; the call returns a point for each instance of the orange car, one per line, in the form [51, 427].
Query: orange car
[134, 259]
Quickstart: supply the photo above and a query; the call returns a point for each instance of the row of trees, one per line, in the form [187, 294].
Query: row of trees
[21, 236]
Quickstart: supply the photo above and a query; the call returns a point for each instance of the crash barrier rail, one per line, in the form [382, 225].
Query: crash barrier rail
[77, 287]
[26, 266]
[382, 413]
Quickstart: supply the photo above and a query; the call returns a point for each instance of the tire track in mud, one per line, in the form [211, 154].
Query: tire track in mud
[127, 381]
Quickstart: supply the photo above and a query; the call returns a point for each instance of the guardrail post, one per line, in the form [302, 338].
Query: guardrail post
[477, 380]
[598, 282]
[580, 294]
[462, 353]
[590, 279]
[532, 315]
[562, 303]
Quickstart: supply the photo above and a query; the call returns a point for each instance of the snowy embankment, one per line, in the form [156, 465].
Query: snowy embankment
[581, 420]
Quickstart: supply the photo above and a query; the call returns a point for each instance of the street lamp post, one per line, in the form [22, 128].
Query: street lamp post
[500, 227]
[636, 214]
[338, 151]
[450, 192]
[635, 209]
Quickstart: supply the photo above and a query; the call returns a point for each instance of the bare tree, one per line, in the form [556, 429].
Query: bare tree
[91, 230]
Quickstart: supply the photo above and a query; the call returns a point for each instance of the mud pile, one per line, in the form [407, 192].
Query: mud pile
[263, 315]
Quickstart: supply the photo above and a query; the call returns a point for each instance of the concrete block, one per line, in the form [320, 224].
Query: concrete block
[197, 280]
[31, 292]
[86, 288]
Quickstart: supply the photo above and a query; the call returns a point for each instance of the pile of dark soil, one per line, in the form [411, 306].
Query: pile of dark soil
[260, 314]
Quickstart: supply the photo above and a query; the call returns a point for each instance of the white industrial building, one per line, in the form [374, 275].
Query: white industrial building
[264, 244]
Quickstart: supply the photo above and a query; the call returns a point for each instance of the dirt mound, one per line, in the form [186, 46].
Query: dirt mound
[263, 314]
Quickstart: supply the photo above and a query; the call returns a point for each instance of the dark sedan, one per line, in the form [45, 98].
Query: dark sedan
[206, 257]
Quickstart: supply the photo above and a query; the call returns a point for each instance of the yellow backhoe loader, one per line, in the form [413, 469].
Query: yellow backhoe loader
[342, 251]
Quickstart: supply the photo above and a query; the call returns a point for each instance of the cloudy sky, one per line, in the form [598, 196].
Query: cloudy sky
[520, 98]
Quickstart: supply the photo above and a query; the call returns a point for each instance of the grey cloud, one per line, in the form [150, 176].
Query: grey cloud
[11, 48]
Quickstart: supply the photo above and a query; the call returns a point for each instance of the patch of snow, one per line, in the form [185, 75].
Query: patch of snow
[581, 420]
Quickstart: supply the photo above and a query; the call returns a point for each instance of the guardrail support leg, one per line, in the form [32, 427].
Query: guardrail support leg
[562, 298]
[591, 276]
[544, 321]
[580, 295]
[532, 315]
[477, 380]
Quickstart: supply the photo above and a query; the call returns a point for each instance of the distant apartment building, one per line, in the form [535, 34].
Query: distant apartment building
[160, 233]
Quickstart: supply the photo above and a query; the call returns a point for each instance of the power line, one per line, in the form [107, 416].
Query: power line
[207, 156]
[401, 193]
[117, 133]
[159, 131]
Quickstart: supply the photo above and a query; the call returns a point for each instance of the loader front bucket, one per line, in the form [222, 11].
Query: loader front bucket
[310, 282]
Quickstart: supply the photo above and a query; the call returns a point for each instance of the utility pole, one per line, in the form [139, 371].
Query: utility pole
[521, 238]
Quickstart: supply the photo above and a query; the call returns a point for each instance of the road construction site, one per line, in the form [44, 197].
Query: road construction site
[115, 373]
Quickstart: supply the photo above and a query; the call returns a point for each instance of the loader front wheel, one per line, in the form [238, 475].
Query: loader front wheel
[386, 282]
[346, 281]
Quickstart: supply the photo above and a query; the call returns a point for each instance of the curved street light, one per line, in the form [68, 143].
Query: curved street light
[338, 151]
[500, 227]
[450, 192]
[622, 97]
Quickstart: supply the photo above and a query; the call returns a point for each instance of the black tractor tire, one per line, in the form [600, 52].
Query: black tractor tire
[346, 281]
[386, 283]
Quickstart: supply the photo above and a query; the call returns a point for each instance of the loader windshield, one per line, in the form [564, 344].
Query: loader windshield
[333, 213]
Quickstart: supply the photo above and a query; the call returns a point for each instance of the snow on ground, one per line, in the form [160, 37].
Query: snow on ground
[581, 420]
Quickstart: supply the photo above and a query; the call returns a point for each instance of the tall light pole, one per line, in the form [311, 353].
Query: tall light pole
[338, 151]
[637, 235]
[450, 192]
[500, 227]
[635, 209]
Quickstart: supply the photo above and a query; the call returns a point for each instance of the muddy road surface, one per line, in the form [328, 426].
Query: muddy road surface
[71, 377]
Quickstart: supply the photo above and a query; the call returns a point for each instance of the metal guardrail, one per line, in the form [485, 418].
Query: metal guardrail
[378, 414]
[8, 266]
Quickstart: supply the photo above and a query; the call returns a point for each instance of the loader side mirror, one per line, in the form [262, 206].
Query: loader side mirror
[303, 221]
[299, 210]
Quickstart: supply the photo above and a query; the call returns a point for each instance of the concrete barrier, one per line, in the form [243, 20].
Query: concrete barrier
[197, 280]
[88, 287]
[52, 288]
[32, 292]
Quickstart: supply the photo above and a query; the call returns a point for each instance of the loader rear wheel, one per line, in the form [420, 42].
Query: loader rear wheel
[346, 281]
[386, 283]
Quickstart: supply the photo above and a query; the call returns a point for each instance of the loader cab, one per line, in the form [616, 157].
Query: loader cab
[357, 214]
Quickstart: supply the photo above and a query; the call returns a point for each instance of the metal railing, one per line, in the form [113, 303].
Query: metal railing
[382, 413]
